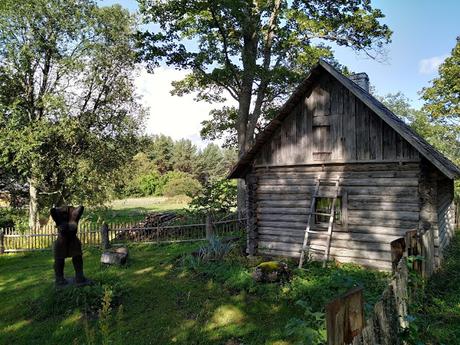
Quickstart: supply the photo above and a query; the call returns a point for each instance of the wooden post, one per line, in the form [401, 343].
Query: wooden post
[345, 317]
[252, 232]
[105, 236]
[428, 223]
[2, 242]
[398, 248]
[209, 227]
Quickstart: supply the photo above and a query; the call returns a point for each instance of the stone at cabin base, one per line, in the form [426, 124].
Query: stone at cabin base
[116, 256]
[271, 271]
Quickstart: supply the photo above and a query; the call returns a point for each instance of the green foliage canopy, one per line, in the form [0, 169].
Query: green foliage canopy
[252, 51]
[69, 116]
[442, 98]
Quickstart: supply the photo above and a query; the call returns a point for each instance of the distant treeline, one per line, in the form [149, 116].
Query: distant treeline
[167, 167]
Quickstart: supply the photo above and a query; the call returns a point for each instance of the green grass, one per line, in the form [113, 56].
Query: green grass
[129, 210]
[135, 209]
[437, 308]
[165, 299]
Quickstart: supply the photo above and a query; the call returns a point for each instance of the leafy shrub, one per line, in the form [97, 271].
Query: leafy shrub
[150, 184]
[6, 218]
[310, 329]
[216, 196]
[215, 250]
[183, 185]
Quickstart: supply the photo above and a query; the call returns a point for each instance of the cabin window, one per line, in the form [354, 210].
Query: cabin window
[324, 205]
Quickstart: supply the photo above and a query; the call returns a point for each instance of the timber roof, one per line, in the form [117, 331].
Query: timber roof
[421, 145]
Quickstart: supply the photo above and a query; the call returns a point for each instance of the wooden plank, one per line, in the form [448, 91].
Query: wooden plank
[362, 132]
[384, 206]
[270, 174]
[389, 142]
[384, 198]
[283, 210]
[352, 190]
[409, 182]
[296, 235]
[345, 317]
[280, 196]
[282, 217]
[299, 155]
[319, 121]
[315, 241]
[302, 203]
[345, 210]
[283, 224]
[392, 223]
[375, 137]
[348, 165]
[307, 142]
[349, 128]
[336, 252]
[384, 215]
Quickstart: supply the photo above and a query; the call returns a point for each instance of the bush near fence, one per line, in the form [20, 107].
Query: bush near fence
[13, 240]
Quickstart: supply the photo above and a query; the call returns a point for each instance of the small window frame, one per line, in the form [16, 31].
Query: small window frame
[323, 221]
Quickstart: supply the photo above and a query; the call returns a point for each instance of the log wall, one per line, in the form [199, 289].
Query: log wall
[332, 125]
[380, 203]
[445, 211]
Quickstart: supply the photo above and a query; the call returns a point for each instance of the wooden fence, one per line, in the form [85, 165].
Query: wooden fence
[345, 314]
[389, 316]
[12, 240]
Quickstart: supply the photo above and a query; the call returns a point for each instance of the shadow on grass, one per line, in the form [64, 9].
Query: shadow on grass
[164, 302]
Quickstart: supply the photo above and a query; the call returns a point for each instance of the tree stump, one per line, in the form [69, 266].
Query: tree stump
[117, 256]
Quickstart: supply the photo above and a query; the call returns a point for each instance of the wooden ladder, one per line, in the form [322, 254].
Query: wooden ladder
[305, 247]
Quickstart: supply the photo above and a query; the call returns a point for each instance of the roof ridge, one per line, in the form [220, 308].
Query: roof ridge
[396, 123]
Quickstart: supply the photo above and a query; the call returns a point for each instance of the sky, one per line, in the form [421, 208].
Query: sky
[424, 33]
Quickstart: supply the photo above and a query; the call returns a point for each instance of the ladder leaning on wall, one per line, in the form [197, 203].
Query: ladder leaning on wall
[316, 194]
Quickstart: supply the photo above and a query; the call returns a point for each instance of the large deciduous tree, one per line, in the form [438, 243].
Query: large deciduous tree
[253, 51]
[68, 112]
[442, 98]
[442, 103]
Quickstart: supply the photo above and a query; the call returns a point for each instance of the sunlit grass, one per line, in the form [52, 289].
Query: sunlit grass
[134, 209]
[164, 302]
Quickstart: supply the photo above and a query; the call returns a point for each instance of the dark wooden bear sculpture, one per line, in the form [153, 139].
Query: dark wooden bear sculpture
[67, 244]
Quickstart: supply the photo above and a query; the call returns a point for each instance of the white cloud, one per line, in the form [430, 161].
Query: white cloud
[430, 65]
[178, 117]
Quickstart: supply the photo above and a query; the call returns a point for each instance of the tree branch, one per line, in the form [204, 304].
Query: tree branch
[221, 30]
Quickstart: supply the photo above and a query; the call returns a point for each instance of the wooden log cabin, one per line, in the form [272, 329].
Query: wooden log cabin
[390, 179]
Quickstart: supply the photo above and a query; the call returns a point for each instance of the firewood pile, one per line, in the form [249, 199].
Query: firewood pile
[156, 219]
[146, 229]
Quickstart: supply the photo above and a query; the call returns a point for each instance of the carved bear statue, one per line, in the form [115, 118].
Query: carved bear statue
[67, 244]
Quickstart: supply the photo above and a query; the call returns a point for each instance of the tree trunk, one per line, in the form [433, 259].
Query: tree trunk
[33, 204]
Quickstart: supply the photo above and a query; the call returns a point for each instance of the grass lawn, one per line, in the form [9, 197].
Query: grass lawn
[134, 209]
[437, 310]
[167, 300]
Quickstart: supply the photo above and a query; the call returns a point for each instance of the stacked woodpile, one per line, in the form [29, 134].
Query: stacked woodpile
[146, 229]
[155, 219]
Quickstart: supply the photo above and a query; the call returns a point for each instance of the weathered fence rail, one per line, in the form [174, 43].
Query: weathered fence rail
[388, 318]
[90, 234]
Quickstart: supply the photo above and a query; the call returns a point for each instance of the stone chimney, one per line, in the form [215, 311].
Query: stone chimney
[361, 79]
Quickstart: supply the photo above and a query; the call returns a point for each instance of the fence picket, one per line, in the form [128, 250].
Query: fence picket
[42, 238]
